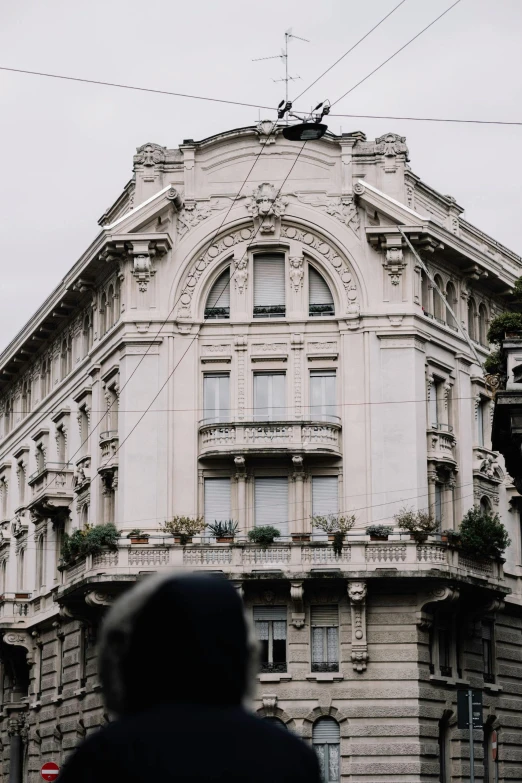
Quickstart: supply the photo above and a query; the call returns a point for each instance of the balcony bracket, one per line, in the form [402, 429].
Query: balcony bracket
[357, 596]
[298, 612]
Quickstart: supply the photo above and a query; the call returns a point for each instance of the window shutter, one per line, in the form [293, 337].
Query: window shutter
[216, 395]
[325, 730]
[276, 613]
[318, 290]
[271, 503]
[325, 491]
[486, 631]
[217, 499]
[269, 281]
[324, 616]
[219, 295]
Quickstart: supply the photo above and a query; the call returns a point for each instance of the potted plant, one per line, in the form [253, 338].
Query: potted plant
[333, 523]
[183, 529]
[137, 536]
[379, 532]
[90, 540]
[483, 535]
[298, 538]
[263, 535]
[451, 537]
[223, 531]
[419, 524]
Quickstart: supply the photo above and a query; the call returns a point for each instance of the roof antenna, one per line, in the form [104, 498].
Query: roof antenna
[284, 57]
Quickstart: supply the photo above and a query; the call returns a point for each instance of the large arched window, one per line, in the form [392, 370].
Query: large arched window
[485, 505]
[472, 317]
[482, 324]
[444, 751]
[451, 299]
[326, 741]
[319, 295]
[218, 301]
[439, 307]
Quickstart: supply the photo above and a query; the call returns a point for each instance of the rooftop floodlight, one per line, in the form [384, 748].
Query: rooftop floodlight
[305, 131]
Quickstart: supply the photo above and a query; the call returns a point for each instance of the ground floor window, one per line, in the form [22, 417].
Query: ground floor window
[270, 624]
[326, 741]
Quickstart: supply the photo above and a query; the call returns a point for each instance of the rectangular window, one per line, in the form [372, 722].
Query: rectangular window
[438, 504]
[270, 624]
[269, 286]
[325, 638]
[270, 396]
[487, 652]
[323, 400]
[217, 500]
[325, 498]
[59, 662]
[444, 640]
[216, 397]
[271, 503]
[83, 420]
[60, 445]
[482, 418]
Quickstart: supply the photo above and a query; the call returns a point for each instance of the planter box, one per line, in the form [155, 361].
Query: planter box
[378, 538]
[177, 539]
[225, 540]
[299, 537]
[22, 595]
[139, 540]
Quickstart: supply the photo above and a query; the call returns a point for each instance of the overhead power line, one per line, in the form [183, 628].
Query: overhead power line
[249, 105]
[350, 50]
[397, 52]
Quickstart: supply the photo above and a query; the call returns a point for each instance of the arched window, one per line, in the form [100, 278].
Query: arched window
[438, 305]
[63, 360]
[117, 306]
[326, 741]
[472, 316]
[482, 324]
[44, 378]
[26, 398]
[40, 561]
[490, 773]
[319, 295]
[3, 576]
[451, 299]
[21, 569]
[425, 293]
[84, 519]
[103, 313]
[485, 505]
[444, 751]
[69, 354]
[109, 316]
[218, 301]
[276, 722]
[87, 334]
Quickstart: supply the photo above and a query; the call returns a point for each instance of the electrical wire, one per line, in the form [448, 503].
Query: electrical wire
[350, 50]
[397, 52]
[425, 119]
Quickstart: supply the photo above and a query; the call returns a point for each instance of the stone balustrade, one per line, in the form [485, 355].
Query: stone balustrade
[441, 444]
[319, 437]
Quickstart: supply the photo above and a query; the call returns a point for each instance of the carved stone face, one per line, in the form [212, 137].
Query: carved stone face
[357, 591]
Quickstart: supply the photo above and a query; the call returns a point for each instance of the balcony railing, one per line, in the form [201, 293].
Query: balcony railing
[109, 447]
[325, 667]
[277, 668]
[54, 479]
[316, 436]
[441, 443]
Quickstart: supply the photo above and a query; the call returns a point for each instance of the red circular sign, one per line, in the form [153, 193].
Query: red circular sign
[494, 745]
[50, 771]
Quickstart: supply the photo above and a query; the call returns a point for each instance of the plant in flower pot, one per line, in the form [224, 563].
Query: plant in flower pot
[419, 524]
[137, 536]
[223, 531]
[483, 535]
[90, 540]
[451, 537]
[183, 529]
[379, 532]
[335, 526]
[263, 535]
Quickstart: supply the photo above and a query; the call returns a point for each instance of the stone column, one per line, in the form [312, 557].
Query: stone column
[240, 477]
[299, 524]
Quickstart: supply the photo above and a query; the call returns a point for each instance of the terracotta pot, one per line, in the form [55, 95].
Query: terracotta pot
[444, 539]
[225, 540]
[420, 539]
[177, 539]
[139, 540]
[299, 537]
[378, 538]
[21, 595]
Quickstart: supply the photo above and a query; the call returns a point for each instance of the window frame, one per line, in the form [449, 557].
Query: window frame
[325, 665]
[216, 419]
[279, 310]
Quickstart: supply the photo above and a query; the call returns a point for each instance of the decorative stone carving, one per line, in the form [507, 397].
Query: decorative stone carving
[446, 593]
[266, 207]
[391, 146]
[150, 154]
[241, 345]
[142, 253]
[269, 701]
[21, 639]
[264, 130]
[298, 612]
[96, 599]
[240, 274]
[357, 597]
[192, 214]
[296, 272]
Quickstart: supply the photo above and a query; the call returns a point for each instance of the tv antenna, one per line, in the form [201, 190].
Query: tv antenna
[284, 57]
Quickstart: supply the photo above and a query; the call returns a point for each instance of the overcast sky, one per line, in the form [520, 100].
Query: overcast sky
[67, 147]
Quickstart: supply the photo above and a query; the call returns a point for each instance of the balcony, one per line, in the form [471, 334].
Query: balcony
[270, 437]
[109, 448]
[51, 488]
[441, 444]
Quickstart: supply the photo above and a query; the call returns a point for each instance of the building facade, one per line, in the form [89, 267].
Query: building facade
[266, 355]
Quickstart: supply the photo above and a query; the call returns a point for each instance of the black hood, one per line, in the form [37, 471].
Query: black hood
[173, 639]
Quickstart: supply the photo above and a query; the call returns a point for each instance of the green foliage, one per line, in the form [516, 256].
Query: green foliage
[334, 523]
[453, 536]
[495, 364]
[505, 322]
[379, 531]
[483, 534]
[186, 527]
[226, 529]
[89, 541]
[419, 523]
[264, 534]
[137, 533]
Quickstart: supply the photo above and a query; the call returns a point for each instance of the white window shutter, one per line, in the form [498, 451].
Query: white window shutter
[271, 503]
[217, 500]
[269, 280]
[325, 730]
[276, 613]
[318, 290]
[219, 295]
[324, 616]
[325, 495]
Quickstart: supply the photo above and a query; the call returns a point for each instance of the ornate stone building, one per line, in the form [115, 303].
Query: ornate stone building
[267, 355]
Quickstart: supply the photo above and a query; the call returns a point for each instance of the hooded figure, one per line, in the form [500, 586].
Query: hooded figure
[176, 664]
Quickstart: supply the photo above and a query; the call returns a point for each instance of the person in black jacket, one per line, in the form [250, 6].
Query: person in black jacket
[176, 665]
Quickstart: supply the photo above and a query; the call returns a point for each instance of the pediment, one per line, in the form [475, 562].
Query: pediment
[150, 216]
